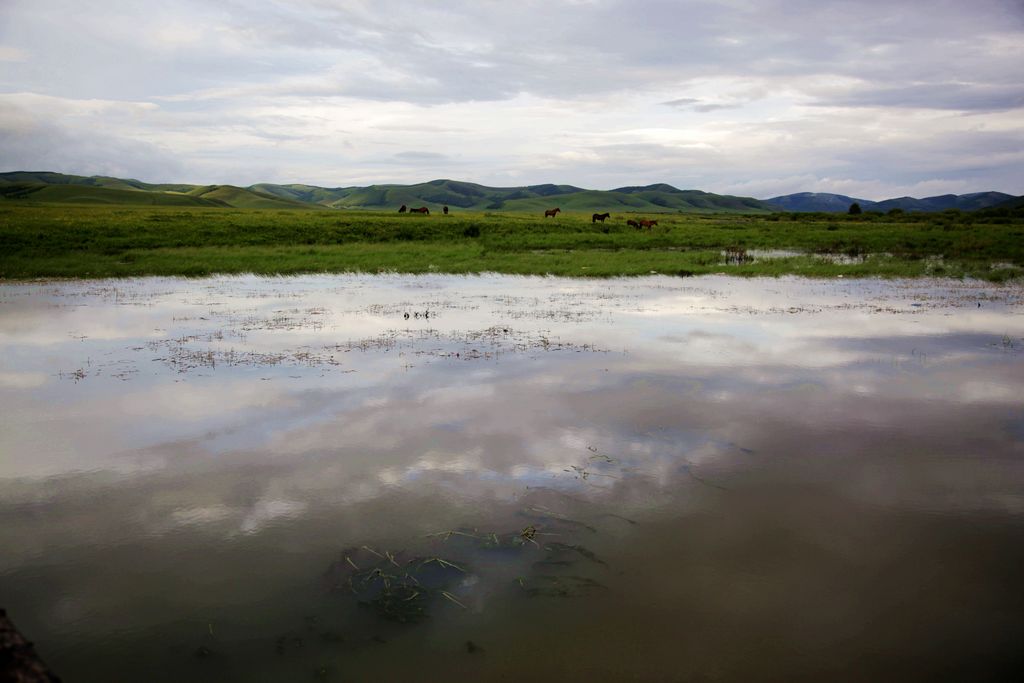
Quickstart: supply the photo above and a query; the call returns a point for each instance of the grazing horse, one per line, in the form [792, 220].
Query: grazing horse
[633, 224]
[599, 217]
[422, 209]
[403, 209]
[644, 223]
[551, 212]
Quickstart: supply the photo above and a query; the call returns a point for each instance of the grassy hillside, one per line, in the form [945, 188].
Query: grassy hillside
[301, 193]
[438, 193]
[537, 198]
[242, 198]
[84, 194]
[824, 201]
[464, 196]
[101, 190]
[47, 178]
[819, 201]
[981, 200]
[434, 194]
[1012, 203]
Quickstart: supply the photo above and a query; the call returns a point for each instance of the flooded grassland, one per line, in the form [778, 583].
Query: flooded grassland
[514, 478]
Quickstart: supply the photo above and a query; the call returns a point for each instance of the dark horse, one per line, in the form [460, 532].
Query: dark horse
[633, 224]
[551, 212]
[599, 217]
[403, 209]
[445, 209]
[422, 209]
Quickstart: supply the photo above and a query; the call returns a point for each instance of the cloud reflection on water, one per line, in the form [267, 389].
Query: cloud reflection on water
[692, 360]
[702, 407]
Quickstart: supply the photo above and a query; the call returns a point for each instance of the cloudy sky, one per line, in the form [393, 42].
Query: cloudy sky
[869, 98]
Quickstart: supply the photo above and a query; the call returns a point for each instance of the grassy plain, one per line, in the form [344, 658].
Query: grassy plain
[114, 241]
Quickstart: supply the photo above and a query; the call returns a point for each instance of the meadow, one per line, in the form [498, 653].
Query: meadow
[39, 241]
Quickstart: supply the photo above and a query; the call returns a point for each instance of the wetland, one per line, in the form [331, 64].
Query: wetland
[126, 241]
[501, 477]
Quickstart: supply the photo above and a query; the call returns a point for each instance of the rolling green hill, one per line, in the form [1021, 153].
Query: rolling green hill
[435, 193]
[47, 187]
[87, 194]
[1012, 203]
[56, 188]
[838, 203]
[660, 198]
[243, 198]
[47, 178]
[471, 196]
[300, 193]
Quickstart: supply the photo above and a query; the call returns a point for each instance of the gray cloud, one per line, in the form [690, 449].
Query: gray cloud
[698, 105]
[478, 51]
[33, 143]
[332, 89]
[954, 96]
[421, 156]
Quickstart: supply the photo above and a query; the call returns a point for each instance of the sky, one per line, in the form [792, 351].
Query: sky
[871, 98]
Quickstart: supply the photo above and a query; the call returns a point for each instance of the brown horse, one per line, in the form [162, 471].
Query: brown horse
[551, 212]
[633, 224]
[644, 223]
[403, 209]
[422, 209]
[599, 217]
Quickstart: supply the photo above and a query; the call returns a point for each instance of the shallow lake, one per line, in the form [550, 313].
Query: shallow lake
[502, 478]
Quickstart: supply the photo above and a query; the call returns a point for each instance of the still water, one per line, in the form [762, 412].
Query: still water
[367, 478]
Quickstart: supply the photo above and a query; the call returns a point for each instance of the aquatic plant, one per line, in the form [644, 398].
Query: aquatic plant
[400, 590]
[558, 586]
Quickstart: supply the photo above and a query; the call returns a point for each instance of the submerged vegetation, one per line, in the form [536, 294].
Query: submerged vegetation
[105, 241]
[527, 561]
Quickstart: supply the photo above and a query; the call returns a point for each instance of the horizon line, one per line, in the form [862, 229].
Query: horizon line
[473, 182]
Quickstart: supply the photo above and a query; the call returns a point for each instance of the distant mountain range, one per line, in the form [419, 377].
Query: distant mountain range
[49, 187]
[72, 189]
[823, 201]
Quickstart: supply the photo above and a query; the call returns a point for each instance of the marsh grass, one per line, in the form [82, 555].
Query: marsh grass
[103, 241]
[396, 589]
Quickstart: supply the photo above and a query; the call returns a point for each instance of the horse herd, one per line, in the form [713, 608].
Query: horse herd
[424, 210]
[643, 223]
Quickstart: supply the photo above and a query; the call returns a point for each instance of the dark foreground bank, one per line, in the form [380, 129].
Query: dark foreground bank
[19, 661]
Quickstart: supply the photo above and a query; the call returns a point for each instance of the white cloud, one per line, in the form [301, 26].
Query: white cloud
[12, 54]
[22, 380]
[877, 97]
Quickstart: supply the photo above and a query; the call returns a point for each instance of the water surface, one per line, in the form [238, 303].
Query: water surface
[504, 478]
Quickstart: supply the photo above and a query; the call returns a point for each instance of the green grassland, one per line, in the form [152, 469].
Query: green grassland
[99, 240]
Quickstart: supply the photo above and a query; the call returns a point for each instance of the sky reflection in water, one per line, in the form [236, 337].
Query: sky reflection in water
[774, 477]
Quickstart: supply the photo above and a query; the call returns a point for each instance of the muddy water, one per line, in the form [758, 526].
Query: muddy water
[245, 479]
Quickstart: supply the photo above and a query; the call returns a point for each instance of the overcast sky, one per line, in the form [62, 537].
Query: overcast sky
[873, 99]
